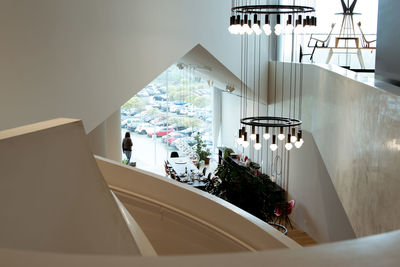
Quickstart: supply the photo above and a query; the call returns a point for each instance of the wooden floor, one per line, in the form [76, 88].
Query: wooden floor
[300, 236]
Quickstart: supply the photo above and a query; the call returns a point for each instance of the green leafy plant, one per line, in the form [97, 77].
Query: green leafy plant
[201, 148]
[227, 152]
[254, 193]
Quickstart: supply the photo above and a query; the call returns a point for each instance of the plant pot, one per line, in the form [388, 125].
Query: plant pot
[207, 161]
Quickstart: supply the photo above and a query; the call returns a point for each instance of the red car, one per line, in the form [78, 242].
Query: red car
[160, 131]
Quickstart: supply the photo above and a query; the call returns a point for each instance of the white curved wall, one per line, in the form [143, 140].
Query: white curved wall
[179, 219]
[53, 198]
[85, 58]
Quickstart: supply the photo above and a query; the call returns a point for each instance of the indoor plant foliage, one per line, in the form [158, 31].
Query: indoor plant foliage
[201, 148]
[253, 193]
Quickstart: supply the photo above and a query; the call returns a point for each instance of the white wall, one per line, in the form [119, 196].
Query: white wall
[53, 197]
[105, 139]
[85, 58]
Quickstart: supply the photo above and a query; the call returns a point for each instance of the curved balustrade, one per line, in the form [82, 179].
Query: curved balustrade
[179, 219]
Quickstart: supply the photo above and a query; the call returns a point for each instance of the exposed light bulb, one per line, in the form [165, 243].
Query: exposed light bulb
[239, 141]
[267, 29]
[298, 29]
[300, 140]
[245, 144]
[235, 29]
[288, 146]
[298, 144]
[231, 29]
[257, 146]
[256, 28]
[246, 29]
[293, 138]
[253, 133]
[267, 136]
[278, 29]
[289, 28]
[242, 30]
[273, 147]
[281, 136]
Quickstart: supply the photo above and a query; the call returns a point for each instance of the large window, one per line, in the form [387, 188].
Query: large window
[165, 116]
[329, 13]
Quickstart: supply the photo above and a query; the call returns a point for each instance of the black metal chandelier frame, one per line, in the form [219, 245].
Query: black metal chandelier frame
[272, 9]
[271, 122]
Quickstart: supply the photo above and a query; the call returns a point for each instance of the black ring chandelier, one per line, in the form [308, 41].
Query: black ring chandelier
[241, 23]
[273, 129]
[271, 122]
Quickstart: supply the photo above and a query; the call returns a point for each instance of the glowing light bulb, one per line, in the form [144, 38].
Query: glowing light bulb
[298, 144]
[246, 29]
[293, 138]
[256, 29]
[299, 29]
[278, 29]
[253, 137]
[288, 146]
[242, 30]
[273, 147]
[235, 29]
[239, 141]
[267, 136]
[257, 145]
[267, 29]
[245, 144]
[289, 28]
[231, 29]
[281, 136]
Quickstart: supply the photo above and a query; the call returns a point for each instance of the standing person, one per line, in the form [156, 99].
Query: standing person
[127, 146]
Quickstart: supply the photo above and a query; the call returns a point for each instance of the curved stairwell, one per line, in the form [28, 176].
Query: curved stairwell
[179, 219]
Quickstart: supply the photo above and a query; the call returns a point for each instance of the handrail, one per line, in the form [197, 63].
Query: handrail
[143, 243]
[185, 214]
[211, 211]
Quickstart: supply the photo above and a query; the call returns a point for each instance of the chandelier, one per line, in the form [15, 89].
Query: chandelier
[295, 15]
[285, 130]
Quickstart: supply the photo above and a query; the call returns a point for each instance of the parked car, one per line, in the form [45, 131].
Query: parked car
[142, 128]
[178, 127]
[125, 122]
[188, 131]
[182, 111]
[171, 137]
[160, 131]
[142, 93]
[160, 98]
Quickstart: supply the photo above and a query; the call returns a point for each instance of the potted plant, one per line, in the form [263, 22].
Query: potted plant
[254, 193]
[201, 149]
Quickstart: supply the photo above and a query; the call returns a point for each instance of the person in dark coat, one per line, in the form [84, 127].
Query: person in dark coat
[127, 147]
